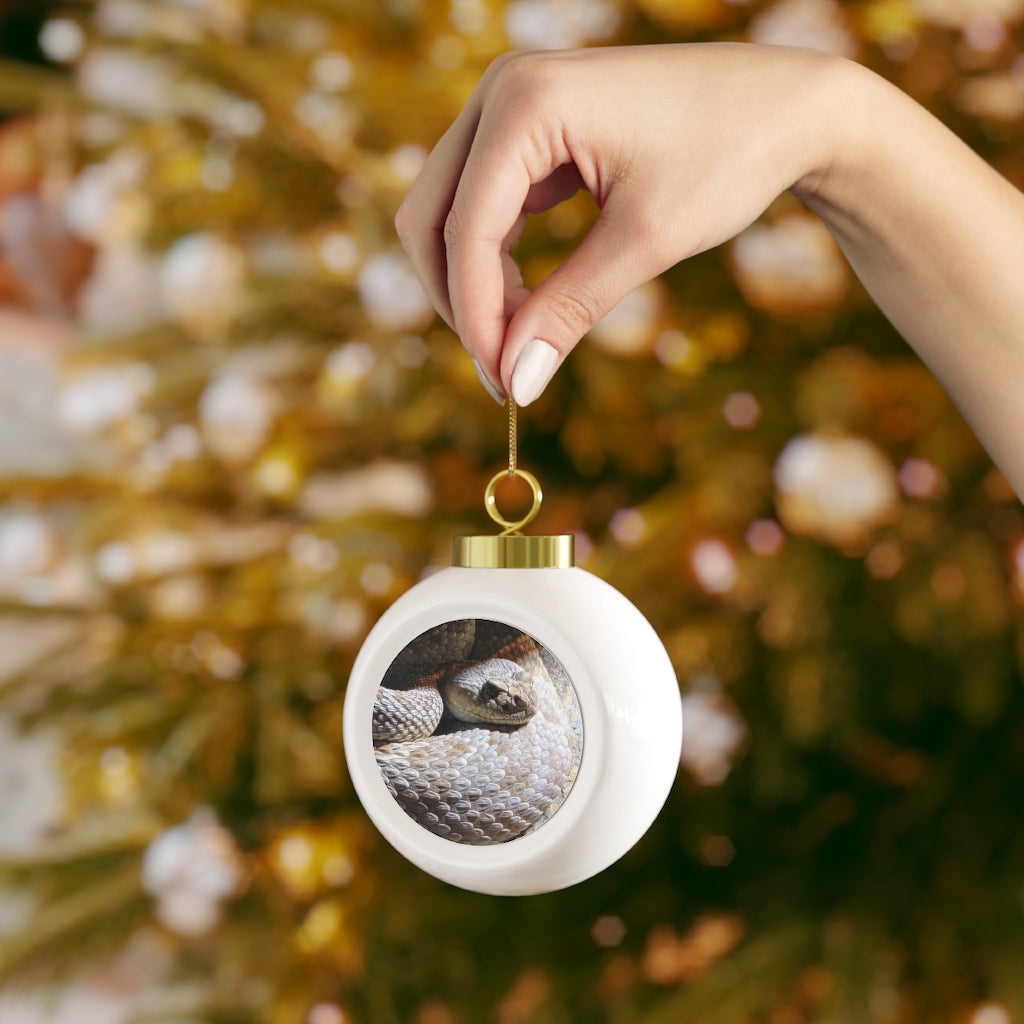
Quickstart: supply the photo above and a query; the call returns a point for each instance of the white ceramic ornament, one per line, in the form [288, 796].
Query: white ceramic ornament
[582, 723]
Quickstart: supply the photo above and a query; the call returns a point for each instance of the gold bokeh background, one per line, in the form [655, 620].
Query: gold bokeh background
[233, 433]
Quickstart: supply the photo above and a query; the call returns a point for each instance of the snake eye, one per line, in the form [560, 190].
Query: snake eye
[489, 691]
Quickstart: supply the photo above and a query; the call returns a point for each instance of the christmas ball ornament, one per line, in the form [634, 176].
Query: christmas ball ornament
[512, 723]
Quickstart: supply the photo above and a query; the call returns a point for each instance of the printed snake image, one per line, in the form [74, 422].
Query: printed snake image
[472, 736]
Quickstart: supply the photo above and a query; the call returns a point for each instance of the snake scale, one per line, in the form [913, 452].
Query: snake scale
[476, 782]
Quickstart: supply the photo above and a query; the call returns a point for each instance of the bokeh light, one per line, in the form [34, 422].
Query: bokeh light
[234, 431]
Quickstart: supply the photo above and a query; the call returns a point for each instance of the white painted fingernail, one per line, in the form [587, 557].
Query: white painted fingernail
[489, 386]
[534, 369]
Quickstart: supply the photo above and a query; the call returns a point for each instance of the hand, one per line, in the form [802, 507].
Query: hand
[684, 146]
[681, 147]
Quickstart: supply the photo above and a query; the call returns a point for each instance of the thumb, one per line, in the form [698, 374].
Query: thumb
[608, 264]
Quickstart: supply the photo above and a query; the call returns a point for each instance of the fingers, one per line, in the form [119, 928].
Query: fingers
[509, 171]
[475, 233]
[508, 156]
[485, 214]
[519, 339]
[421, 218]
[481, 310]
[609, 263]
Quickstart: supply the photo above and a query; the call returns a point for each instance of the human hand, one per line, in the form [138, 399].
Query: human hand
[684, 146]
[681, 146]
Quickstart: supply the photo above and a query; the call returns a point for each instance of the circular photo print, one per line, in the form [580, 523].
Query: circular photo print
[477, 732]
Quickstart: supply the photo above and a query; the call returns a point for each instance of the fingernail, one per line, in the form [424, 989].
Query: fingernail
[489, 386]
[534, 369]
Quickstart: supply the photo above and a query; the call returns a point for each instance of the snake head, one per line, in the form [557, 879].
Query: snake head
[497, 691]
[511, 697]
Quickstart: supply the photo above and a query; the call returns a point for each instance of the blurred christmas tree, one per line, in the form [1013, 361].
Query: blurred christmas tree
[263, 437]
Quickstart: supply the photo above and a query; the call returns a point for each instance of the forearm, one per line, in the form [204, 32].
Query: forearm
[937, 238]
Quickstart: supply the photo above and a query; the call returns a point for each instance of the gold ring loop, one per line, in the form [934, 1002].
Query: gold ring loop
[490, 503]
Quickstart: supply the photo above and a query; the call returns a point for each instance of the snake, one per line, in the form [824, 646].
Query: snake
[473, 738]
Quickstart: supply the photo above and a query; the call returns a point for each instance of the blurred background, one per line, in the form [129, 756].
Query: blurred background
[232, 432]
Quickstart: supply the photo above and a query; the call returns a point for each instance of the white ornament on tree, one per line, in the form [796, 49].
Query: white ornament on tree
[513, 723]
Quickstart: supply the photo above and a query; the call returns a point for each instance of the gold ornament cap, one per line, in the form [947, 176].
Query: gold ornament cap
[510, 549]
[513, 551]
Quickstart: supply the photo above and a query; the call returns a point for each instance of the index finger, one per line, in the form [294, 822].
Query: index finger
[420, 219]
[505, 162]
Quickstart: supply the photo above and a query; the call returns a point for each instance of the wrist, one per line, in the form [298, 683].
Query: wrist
[877, 181]
[845, 106]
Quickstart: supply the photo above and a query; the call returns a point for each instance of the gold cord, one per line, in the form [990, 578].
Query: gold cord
[490, 501]
[513, 440]
[510, 549]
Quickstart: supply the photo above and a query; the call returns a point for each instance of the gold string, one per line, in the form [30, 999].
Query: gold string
[513, 441]
[512, 527]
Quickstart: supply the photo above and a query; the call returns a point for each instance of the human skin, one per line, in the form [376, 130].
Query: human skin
[682, 147]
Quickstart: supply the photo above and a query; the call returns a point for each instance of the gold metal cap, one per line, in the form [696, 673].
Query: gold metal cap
[514, 551]
[510, 549]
